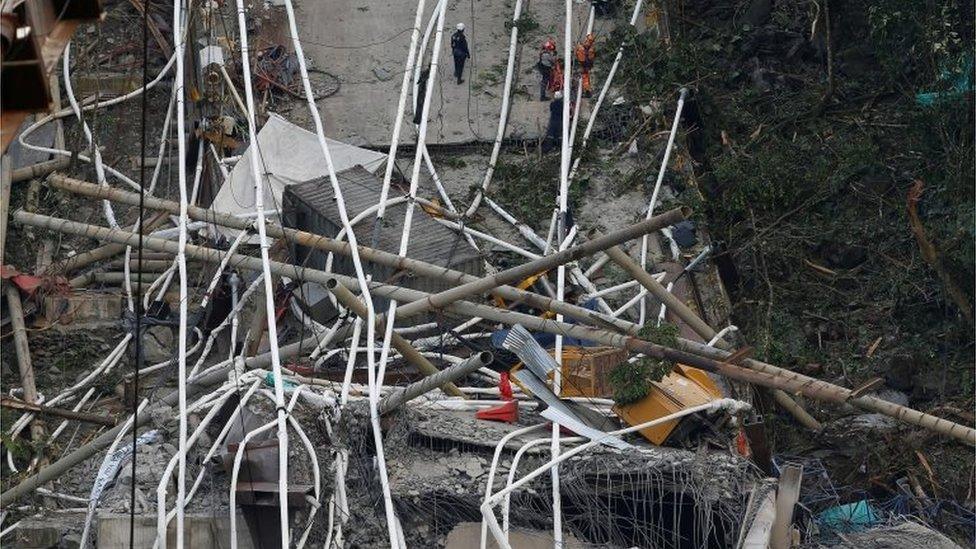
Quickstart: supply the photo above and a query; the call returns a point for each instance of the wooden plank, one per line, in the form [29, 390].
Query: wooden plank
[758, 535]
[16, 312]
[5, 173]
[52, 47]
[788, 493]
[55, 42]
[10, 123]
[154, 30]
[15, 404]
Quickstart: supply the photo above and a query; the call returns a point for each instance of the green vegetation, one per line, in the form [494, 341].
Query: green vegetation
[631, 382]
[528, 186]
[806, 166]
[810, 131]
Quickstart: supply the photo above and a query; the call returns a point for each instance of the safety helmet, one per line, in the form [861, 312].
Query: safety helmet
[460, 26]
[558, 95]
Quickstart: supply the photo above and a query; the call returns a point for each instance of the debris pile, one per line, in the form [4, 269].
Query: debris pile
[288, 333]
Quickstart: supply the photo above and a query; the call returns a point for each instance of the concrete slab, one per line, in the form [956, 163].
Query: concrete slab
[43, 137]
[365, 44]
[199, 531]
[468, 534]
[83, 310]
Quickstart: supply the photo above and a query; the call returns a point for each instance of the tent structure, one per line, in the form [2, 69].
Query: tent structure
[287, 154]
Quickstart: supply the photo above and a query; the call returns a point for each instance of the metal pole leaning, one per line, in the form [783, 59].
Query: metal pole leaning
[700, 327]
[320, 242]
[351, 302]
[515, 274]
[688, 352]
[448, 375]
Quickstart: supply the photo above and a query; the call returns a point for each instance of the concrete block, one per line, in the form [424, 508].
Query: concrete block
[468, 534]
[83, 309]
[36, 534]
[199, 531]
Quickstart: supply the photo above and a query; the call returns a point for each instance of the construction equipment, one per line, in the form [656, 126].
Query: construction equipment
[677, 391]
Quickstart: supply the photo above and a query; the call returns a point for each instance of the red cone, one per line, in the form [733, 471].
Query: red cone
[507, 413]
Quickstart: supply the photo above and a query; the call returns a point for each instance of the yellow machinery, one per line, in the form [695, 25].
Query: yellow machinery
[585, 371]
[683, 388]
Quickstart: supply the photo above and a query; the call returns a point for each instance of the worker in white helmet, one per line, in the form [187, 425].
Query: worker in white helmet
[459, 47]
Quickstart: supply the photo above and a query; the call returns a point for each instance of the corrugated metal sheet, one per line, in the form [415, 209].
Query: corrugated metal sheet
[311, 206]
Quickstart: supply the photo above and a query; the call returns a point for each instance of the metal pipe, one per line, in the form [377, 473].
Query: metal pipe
[423, 386]
[319, 242]
[40, 169]
[521, 272]
[16, 312]
[700, 327]
[351, 302]
[687, 352]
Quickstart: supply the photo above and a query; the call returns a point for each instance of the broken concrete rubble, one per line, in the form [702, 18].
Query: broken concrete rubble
[321, 425]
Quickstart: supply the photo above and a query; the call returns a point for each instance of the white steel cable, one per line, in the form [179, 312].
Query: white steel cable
[578, 277]
[603, 90]
[557, 521]
[513, 469]
[664, 307]
[96, 152]
[105, 366]
[633, 301]
[179, 21]
[401, 109]
[503, 114]
[489, 484]
[377, 379]
[731, 405]
[162, 517]
[579, 87]
[239, 455]
[614, 289]
[657, 189]
[360, 275]
[487, 238]
[418, 66]
[108, 454]
[228, 320]
[266, 270]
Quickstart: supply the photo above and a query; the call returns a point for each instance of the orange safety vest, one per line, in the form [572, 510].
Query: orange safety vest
[585, 55]
[556, 76]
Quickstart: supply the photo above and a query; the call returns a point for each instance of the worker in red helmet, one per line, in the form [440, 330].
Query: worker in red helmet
[556, 76]
[585, 54]
[547, 60]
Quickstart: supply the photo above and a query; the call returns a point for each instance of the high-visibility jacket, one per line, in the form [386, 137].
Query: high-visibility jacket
[585, 55]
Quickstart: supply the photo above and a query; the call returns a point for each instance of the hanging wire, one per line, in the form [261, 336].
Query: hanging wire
[138, 298]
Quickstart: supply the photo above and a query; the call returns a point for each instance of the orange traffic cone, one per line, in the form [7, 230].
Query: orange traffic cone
[507, 412]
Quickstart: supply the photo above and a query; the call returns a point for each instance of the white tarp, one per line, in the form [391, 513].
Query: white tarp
[288, 155]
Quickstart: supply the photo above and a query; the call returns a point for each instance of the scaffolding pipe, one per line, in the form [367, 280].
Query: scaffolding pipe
[699, 326]
[351, 302]
[448, 375]
[686, 352]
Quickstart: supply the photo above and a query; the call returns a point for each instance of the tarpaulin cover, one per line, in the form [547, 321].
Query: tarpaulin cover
[287, 154]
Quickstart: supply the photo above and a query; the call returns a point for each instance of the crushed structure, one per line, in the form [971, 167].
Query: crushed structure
[287, 341]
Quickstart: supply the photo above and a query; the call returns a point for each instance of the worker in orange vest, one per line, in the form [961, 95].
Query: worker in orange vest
[585, 54]
[556, 76]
